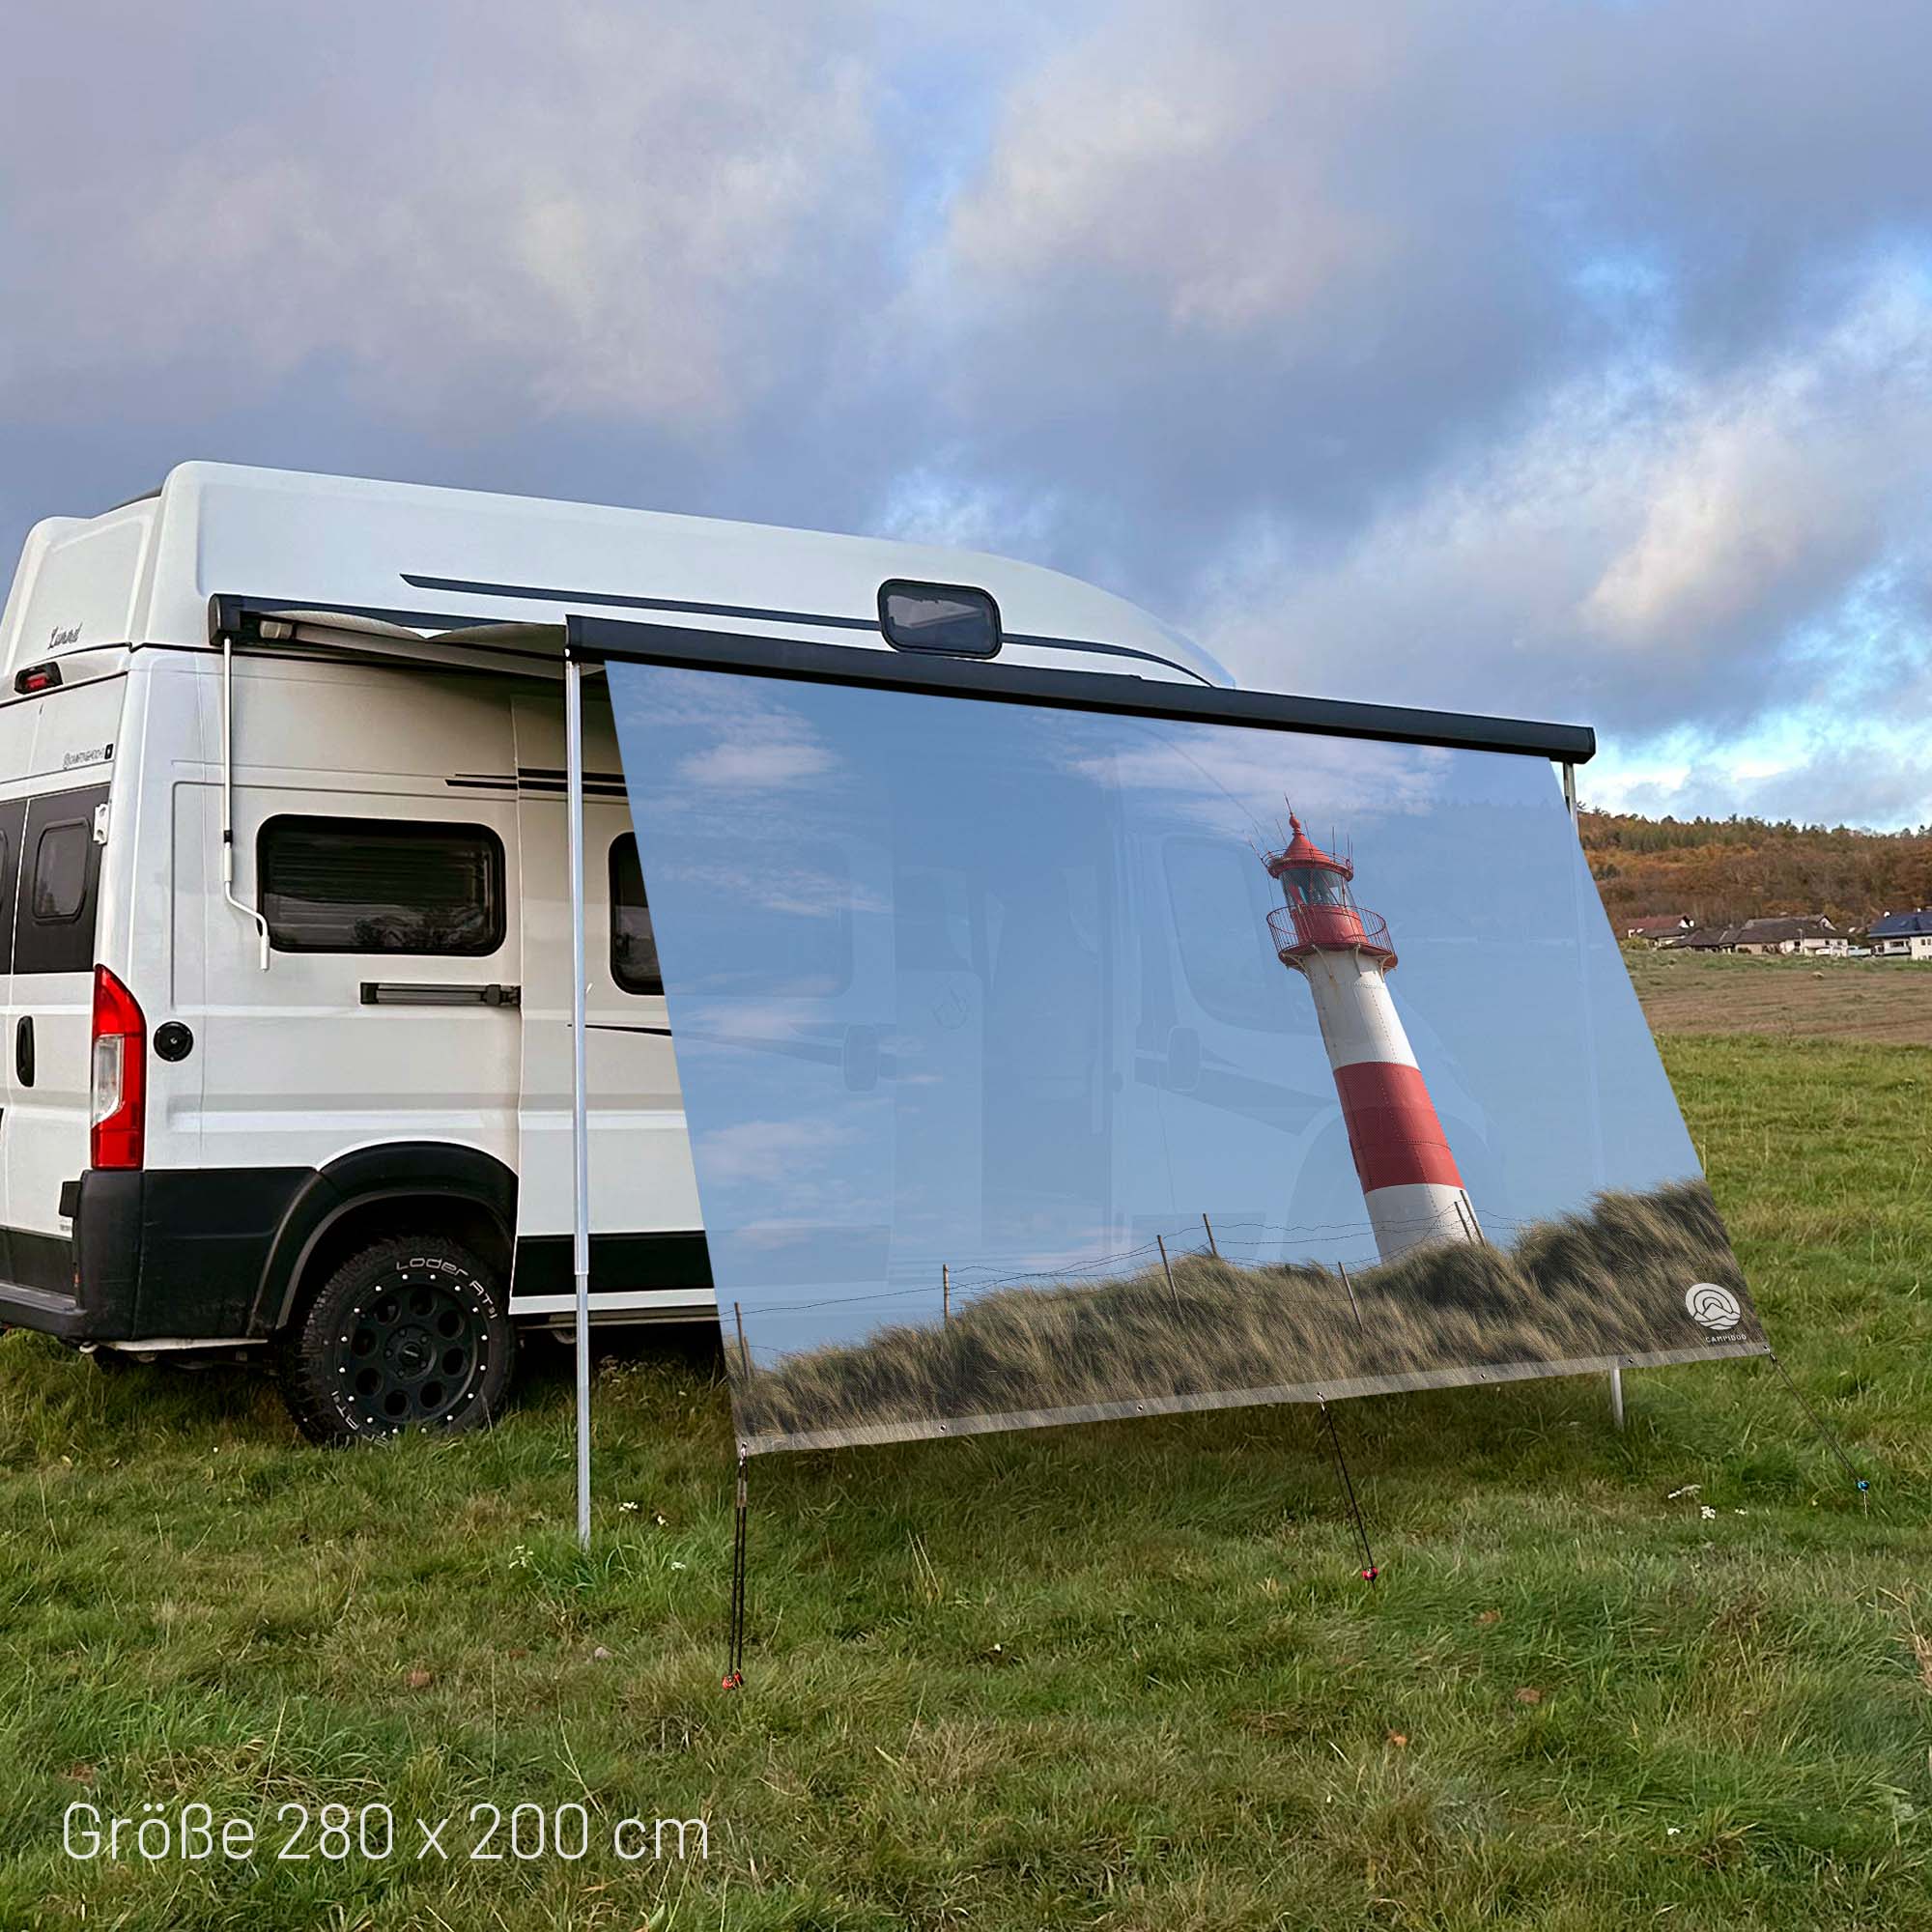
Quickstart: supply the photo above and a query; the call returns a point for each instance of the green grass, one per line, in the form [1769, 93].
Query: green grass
[1119, 1676]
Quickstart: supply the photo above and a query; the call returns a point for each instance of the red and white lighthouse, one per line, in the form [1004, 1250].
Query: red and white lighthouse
[1409, 1179]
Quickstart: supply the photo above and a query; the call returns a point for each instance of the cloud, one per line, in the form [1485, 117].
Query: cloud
[784, 1183]
[928, 506]
[1861, 776]
[749, 741]
[784, 877]
[1560, 355]
[1642, 549]
[767, 765]
[1244, 784]
[1566, 359]
[573, 208]
[766, 1149]
[1185, 155]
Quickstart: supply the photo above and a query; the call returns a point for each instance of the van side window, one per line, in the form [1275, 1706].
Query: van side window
[380, 885]
[634, 949]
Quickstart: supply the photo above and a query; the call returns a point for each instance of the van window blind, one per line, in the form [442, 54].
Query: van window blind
[362, 885]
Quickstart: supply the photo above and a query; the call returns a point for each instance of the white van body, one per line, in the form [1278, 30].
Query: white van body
[392, 685]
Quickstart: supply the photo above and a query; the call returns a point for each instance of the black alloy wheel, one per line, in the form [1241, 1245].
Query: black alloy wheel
[415, 1350]
[409, 1334]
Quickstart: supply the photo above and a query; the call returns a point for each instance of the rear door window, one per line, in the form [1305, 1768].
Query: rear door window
[60, 873]
[57, 867]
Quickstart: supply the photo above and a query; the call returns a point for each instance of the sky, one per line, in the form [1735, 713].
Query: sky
[1564, 357]
[992, 986]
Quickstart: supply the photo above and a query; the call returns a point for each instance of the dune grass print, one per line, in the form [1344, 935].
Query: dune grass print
[1580, 1291]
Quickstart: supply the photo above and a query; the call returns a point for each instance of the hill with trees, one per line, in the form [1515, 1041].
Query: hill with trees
[1723, 869]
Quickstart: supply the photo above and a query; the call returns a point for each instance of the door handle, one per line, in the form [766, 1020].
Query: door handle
[23, 1049]
[400, 993]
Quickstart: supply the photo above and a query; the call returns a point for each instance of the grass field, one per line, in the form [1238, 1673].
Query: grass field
[1117, 1677]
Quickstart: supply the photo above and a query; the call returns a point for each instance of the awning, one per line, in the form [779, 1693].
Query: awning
[1061, 1046]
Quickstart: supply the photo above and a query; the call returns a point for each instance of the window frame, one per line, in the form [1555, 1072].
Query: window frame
[969, 593]
[487, 836]
[42, 835]
[617, 978]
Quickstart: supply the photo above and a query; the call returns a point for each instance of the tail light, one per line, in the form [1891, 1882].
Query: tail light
[120, 1086]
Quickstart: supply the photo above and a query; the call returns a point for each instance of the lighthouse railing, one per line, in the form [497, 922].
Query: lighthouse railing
[1298, 928]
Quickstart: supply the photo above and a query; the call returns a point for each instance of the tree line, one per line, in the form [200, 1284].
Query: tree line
[1721, 870]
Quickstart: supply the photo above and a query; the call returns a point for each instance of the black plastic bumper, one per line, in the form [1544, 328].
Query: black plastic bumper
[59, 1315]
[154, 1254]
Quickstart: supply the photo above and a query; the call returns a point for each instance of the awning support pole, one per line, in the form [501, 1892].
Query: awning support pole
[246, 911]
[579, 1126]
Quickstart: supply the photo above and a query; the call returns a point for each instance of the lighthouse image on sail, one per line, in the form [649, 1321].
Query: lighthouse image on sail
[1409, 1179]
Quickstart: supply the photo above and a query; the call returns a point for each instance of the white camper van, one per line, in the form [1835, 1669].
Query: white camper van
[288, 1061]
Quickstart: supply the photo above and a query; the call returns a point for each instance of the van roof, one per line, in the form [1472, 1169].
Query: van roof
[144, 573]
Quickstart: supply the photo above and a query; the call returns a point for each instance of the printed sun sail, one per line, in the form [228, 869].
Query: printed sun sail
[1045, 1064]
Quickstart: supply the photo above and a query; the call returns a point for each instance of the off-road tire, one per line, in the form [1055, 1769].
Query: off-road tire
[411, 1333]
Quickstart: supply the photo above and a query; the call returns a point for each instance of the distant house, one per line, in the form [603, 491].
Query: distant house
[1661, 931]
[1704, 939]
[1902, 935]
[1811, 934]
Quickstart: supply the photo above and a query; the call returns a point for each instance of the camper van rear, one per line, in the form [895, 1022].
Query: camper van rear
[57, 745]
[287, 934]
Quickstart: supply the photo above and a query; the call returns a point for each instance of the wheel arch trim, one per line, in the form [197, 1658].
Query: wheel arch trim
[402, 1169]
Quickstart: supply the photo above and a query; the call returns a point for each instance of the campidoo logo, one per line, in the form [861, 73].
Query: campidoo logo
[1711, 1307]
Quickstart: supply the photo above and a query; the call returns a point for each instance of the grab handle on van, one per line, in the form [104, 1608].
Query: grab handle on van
[397, 993]
[23, 1049]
